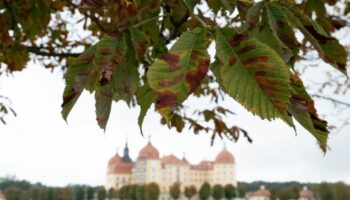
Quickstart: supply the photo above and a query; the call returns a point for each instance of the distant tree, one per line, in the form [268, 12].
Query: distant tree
[90, 193]
[205, 191]
[56, 193]
[50, 193]
[112, 193]
[152, 191]
[218, 192]
[324, 191]
[140, 192]
[34, 193]
[341, 191]
[64, 193]
[101, 193]
[273, 191]
[132, 192]
[291, 192]
[175, 191]
[80, 193]
[190, 191]
[12, 181]
[43, 193]
[13, 193]
[241, 191]
[230, 191]
[124, 192]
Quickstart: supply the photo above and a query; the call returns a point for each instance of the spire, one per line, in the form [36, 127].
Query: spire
[225, 146]
[117, 150]
[126, 157]
[149, 139]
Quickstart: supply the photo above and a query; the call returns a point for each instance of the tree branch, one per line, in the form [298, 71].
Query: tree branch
[331, 99]
[42, 52]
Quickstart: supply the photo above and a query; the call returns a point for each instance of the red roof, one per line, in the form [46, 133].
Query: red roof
[171, 159]
[204, 165]
[305, 193]
[114, 159]
[122, 168]
[262, 192]
[2, 196]
[225, 157]
[117, 166]
[149, 152]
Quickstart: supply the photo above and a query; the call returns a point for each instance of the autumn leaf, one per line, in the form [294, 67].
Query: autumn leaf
[253, 74]
[180, 71]
[329, 48]
[302, 107]
[145, 97]
[77, 77]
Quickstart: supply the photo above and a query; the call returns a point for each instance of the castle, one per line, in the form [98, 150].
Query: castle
[150, 167]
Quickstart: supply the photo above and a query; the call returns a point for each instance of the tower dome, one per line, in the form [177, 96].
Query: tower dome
[225, 157]
[114, 160]
[149, 152]
[117, 165]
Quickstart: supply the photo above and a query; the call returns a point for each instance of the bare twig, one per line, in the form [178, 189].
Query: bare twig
[331, 99]
[42, 52]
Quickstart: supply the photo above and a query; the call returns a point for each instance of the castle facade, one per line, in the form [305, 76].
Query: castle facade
[165, 171]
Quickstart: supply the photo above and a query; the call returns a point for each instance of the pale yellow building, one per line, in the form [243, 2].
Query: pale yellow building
[261, 194]
[306, 194]
[150, 167]
[2, 196]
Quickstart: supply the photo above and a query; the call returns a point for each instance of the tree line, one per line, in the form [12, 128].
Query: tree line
[24, 190]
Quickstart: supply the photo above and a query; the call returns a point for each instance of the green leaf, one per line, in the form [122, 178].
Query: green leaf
[254, 74]
[221, 5]
[180, 71]
[329, 48]
[109, 69]
[145, 97]
[281, 31]
[140, 41]
[126, 75]
[103, 98]
[110, 52]
[303, 110]
[268, 23]
[77, 77]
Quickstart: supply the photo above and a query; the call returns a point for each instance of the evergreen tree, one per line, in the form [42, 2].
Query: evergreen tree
[80, 193]
[230, 191]
[132, 192]
[190, 191]
[341, 191]
[218, 192]
[13, 193]
[205, 191]
[101, 193]
[112, 193]
[140, 192]
[175, 191]
[152, 191]
[324, 191]
[124, 192]
[90, 193]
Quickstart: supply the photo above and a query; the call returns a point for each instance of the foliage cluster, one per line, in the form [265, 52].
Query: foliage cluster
[128, 57]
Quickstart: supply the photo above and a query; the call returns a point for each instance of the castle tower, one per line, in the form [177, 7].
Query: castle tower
[224, 169]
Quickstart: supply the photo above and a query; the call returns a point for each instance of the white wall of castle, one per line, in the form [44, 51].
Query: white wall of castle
[151, 170]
